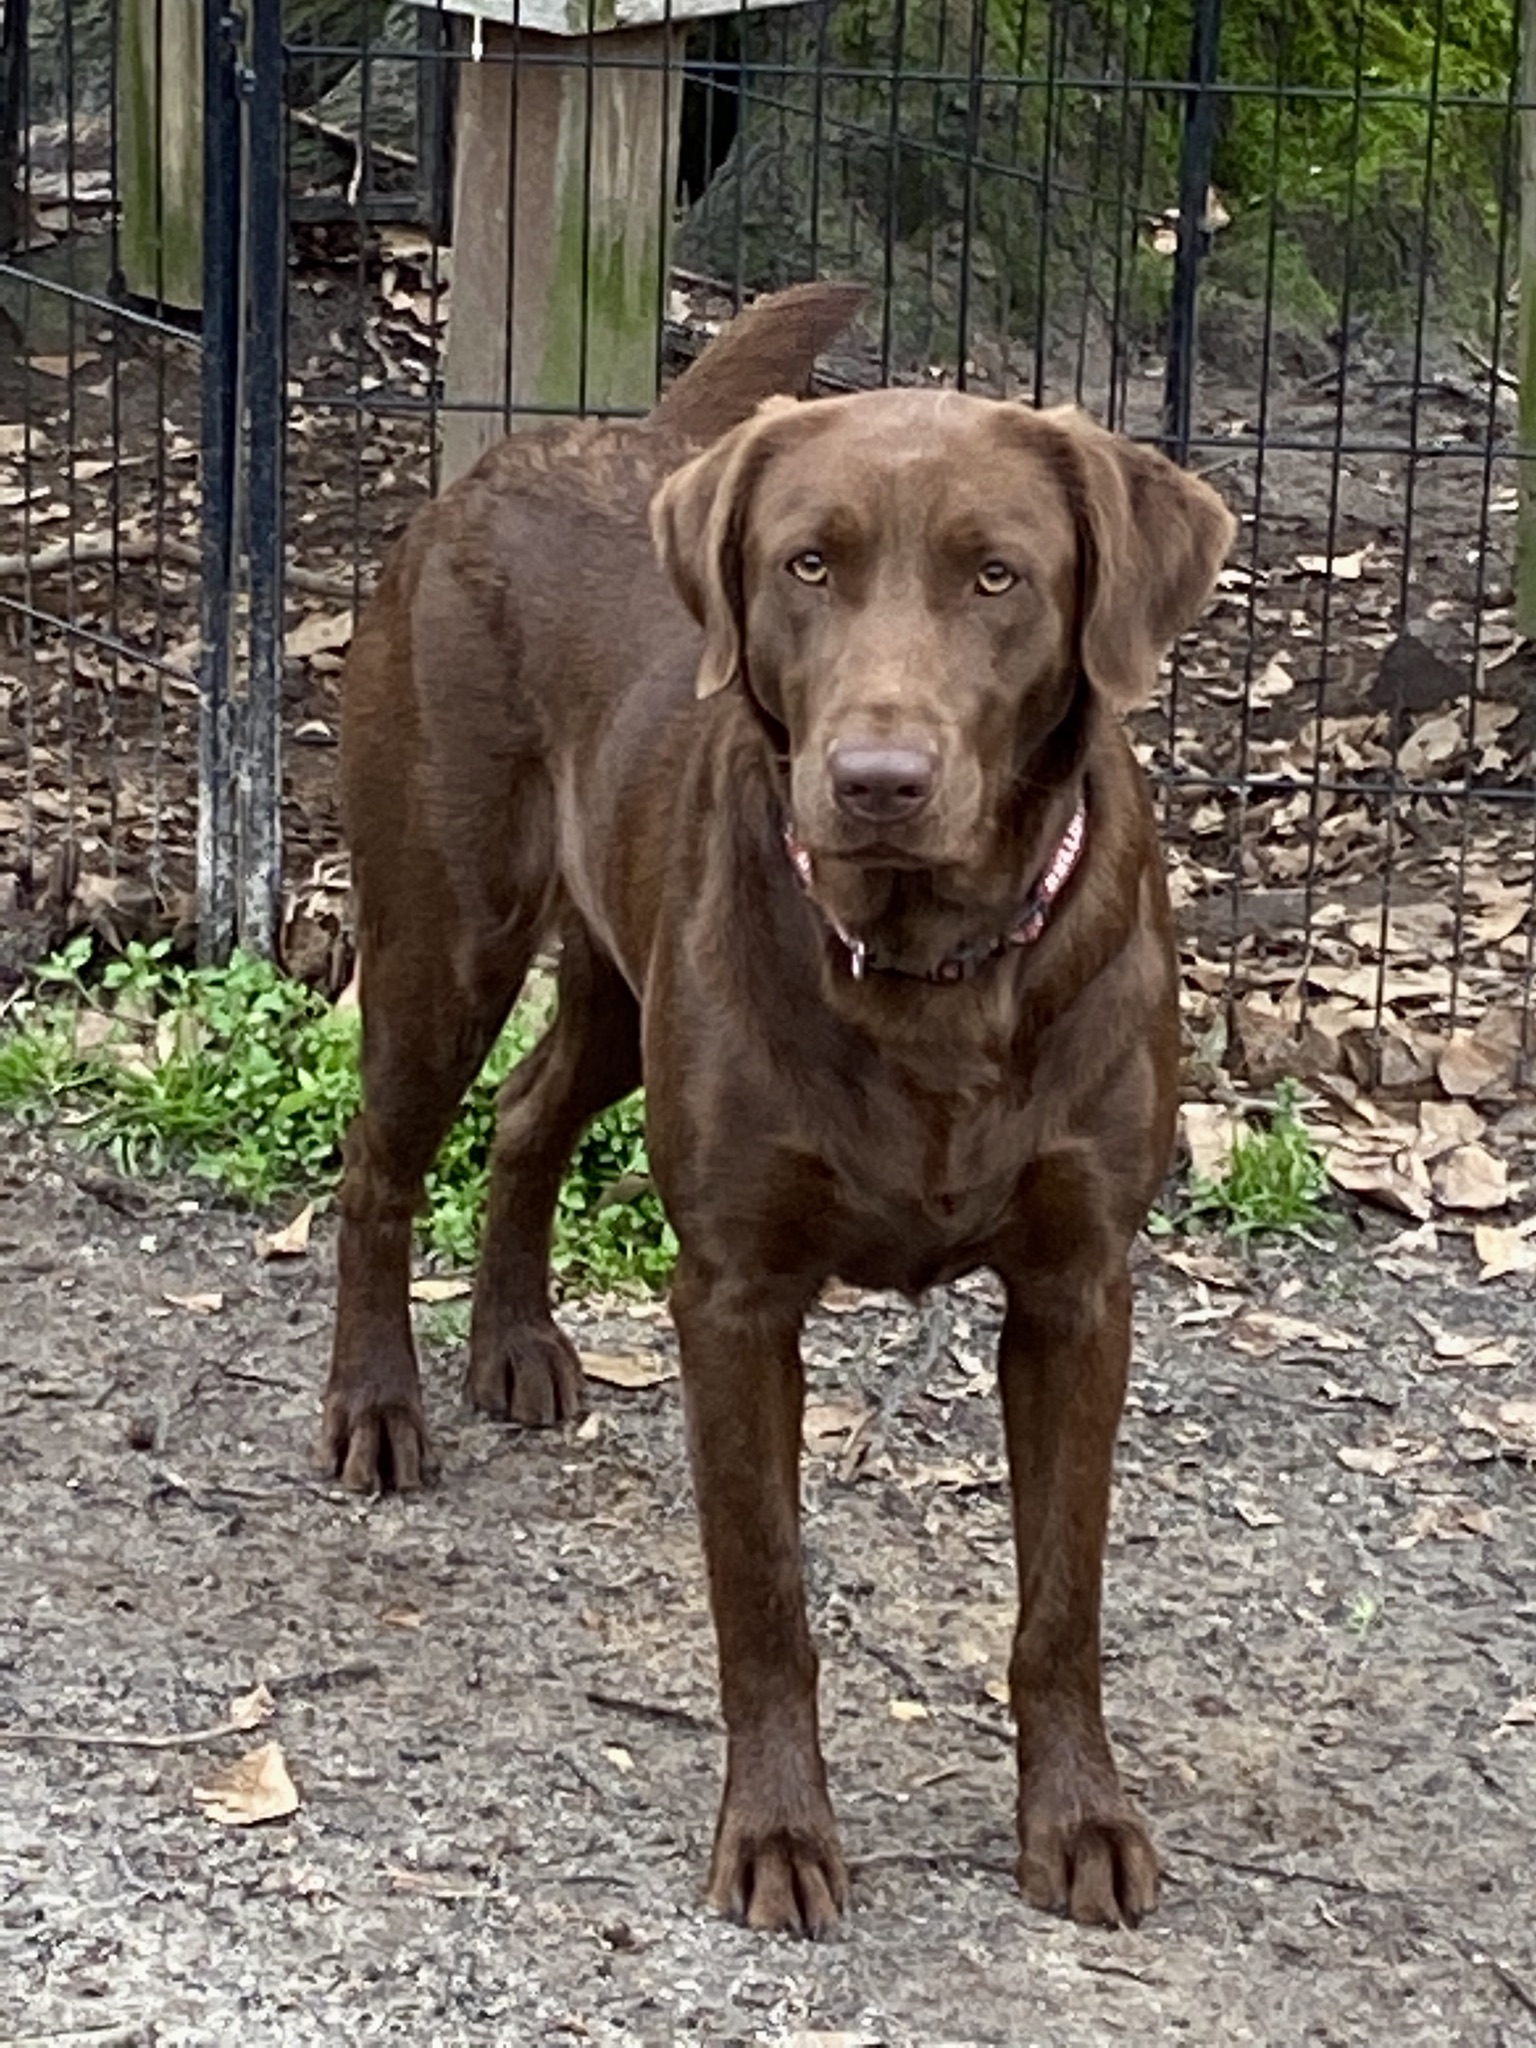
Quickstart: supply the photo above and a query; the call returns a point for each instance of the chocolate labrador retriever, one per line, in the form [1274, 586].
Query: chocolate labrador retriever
[832, 817]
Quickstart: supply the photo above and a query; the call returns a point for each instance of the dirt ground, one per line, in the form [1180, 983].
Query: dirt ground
[497, 1701]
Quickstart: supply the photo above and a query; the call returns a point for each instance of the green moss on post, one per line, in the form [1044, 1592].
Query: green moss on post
[160, 149]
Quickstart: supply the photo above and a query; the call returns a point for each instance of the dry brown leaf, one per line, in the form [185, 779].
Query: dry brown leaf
[254, 1788]
[1432, 744]
[1209, 1131]
[628, 1368]
[251, 1709]
[908, 1710]
[1472, 1178]
[292, 1241]
[441, 1290]
[839, 2037]
[1469, 1067]
[1380, 1460]
[1255, 1516]
[1396, 1180]
[1513, 1423]
[1447, 1520]
[64, 366]
[320, 633]
[1273, 682]
[1445, 1125]
[402, 1616]
[1343, 568]
[827, 1422]
[1471, 1347]
[195, 1304]
[1260, 1332]
[1207, 1267]
[1502, 1249]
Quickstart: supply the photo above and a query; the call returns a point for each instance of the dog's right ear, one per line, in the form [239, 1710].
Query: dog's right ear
[698, 518]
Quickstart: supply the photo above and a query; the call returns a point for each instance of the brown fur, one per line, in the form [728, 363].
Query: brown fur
[526, 756]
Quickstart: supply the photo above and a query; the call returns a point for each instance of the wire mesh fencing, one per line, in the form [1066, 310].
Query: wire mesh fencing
[1281, 241]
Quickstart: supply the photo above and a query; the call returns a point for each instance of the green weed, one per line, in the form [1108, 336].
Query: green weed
[249, 1080]
[1274, 1183]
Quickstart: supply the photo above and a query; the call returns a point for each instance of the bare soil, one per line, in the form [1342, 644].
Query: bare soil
[497, 1700]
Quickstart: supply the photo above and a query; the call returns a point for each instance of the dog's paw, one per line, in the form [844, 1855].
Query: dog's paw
[781, 1880]
[373, 1445]
[1090, 1859]
[525, 1372]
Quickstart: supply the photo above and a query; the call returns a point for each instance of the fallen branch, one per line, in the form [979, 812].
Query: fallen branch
[1282, 1875]
[95, 549]
[649, 1710]
[1512, 1984]
[128, 2035]
[87, 1738]
[386, 152]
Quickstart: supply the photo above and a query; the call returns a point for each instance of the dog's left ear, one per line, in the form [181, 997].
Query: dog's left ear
[697, 521]
[1155, 538]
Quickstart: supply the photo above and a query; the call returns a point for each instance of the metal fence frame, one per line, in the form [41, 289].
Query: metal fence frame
[251, 215]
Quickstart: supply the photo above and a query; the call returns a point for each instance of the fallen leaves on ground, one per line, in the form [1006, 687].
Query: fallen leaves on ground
[195, 1304]
[828, 1424]
[1261, 1332]
[1504, 1248]
[256, 1787]
[1471, 1178]
[292, 1241]
[1512, 1424]
[628, 1369]
[441, 1290]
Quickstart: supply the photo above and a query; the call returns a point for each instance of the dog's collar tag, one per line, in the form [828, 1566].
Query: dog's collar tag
[964, 961]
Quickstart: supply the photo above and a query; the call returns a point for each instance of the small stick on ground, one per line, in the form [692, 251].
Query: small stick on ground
[652, 1710]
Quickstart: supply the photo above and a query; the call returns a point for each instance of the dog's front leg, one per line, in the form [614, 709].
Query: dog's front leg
[1062, 1370]
[776, 1860]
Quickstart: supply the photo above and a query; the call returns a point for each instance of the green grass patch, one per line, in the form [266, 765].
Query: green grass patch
[1275, 1183]
[248, 1080]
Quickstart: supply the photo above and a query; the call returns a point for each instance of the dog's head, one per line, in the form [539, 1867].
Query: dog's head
[914, 587]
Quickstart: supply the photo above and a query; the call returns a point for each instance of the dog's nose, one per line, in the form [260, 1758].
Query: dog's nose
[882, 784]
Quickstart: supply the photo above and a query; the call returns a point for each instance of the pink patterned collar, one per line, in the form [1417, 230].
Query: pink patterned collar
[964, 961]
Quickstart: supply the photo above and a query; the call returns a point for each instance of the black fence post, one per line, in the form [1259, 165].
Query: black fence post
[266, 231]
[1195, 157]
[220, 429]
[13, 103]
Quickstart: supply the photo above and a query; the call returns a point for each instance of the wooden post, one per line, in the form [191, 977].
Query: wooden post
[1525, 533]
[559, 240]
[160, 149]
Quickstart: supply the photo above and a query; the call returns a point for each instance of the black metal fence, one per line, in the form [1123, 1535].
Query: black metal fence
[1280, 239]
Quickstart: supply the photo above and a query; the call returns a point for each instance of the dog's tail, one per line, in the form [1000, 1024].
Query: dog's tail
[768, 349]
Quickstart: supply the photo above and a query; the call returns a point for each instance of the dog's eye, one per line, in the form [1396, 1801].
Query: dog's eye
[994, 578]
[808, 567]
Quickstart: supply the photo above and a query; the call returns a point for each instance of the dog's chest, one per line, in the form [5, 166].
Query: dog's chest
[924, 1186]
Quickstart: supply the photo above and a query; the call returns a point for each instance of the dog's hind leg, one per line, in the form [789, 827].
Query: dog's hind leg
[439, 968]
[520, 1364]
